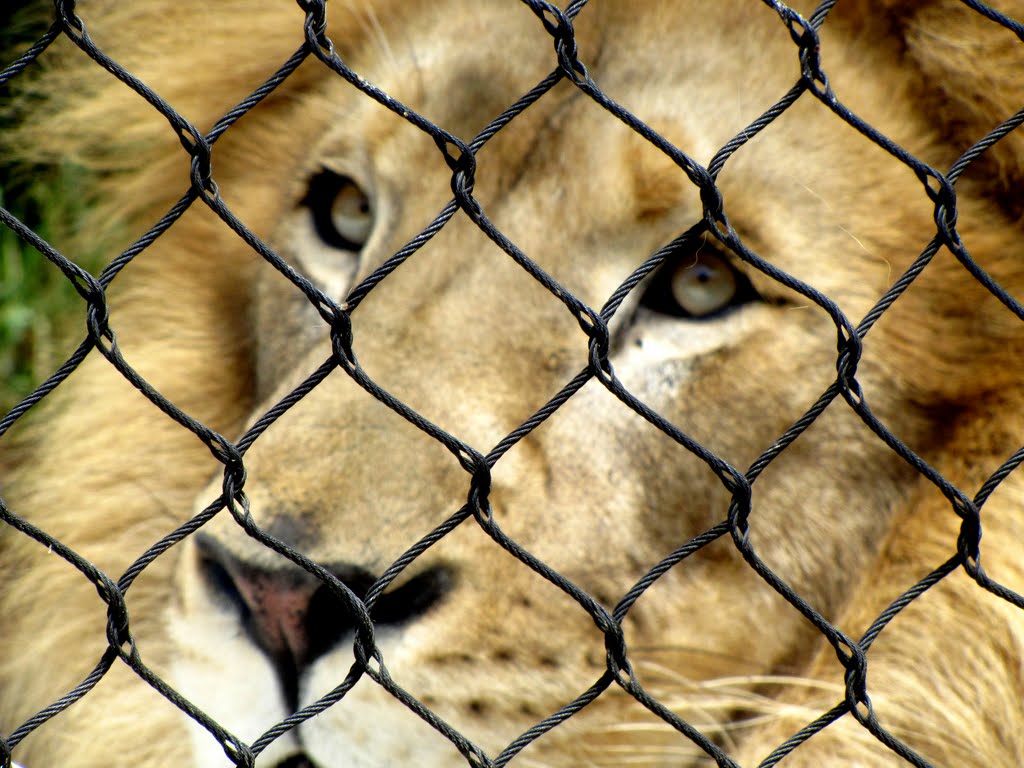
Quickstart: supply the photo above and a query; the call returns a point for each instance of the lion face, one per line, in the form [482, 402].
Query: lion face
[473, 343]
[533, 505]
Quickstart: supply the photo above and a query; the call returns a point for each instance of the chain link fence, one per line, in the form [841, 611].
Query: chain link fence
[313, 38]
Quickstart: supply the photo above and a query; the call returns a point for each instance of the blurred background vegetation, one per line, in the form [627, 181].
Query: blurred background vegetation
[38, 306]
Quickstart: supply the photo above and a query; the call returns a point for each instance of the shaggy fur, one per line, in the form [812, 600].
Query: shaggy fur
[470, 341]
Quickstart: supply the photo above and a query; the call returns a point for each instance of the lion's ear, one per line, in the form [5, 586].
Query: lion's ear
[968, 70]
[971, 80]
[973, 68]
[970, 67]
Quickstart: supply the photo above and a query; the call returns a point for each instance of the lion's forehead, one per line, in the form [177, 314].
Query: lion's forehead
[568, 160]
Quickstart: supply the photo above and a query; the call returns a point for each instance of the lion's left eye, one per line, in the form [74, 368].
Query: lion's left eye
[698, 286]
[342, 212]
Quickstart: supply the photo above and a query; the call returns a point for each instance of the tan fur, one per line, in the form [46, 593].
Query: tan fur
[466, 338]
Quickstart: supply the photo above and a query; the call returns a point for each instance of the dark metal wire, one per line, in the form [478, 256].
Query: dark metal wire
[460, 156]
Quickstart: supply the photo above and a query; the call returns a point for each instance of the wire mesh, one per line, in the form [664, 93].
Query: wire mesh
[314, 44]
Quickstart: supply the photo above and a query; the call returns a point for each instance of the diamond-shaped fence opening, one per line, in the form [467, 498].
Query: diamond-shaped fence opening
[667, 558]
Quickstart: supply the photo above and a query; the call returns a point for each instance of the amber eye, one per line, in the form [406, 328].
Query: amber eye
[696, 286]
[342, 212]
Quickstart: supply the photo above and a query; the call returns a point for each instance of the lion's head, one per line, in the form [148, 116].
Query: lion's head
[433, 413]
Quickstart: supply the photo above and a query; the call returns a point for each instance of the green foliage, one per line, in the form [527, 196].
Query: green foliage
[37, 303]
[38, 306]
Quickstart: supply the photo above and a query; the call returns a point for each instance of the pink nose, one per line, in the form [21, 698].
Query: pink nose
[287, 612]
[279, 603]
[295, 619]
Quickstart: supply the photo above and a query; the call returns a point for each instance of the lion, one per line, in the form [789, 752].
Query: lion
[673, 567]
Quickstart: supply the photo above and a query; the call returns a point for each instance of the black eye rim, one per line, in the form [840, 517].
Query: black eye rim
[658, 296]
[321, 191]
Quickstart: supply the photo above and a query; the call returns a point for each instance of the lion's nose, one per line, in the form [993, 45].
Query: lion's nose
[295, 618]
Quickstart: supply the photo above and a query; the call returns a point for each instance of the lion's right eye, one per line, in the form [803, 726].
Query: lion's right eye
[698, 286]
[342, 212]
